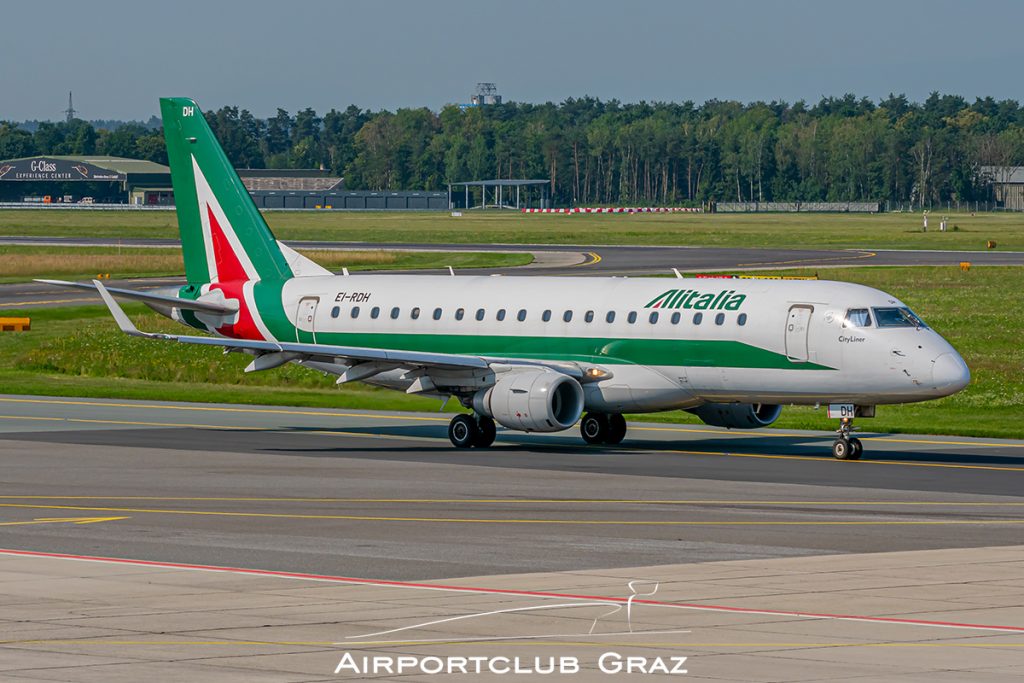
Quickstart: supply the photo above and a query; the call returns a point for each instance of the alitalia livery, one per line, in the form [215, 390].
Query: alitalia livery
[534, 353]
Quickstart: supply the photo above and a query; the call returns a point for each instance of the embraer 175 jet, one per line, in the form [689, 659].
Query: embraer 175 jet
[535, 354]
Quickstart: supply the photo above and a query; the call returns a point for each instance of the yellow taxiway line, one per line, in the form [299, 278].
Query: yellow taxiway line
[423, 418]
[529, 501]
[524, 521]
[428, 418]
[594, 258]
[63, 520]
[15, 304]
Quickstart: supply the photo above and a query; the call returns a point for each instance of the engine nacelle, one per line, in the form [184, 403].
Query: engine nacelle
[532, 401]
[738, 415]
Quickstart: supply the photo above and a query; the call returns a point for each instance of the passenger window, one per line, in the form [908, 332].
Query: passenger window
[567, 316]
[698, 318]
[631, 318]
[610, 318]
[588, 316]
[742, 319]
[521, 316]
[355, 311]
[437, 314]
[653, 317]
[460, 313]
[415, 313]
[720, 319]
[395, 312]
[336, 311]
[547, 316]
[375, 312]
[480, 313]
[857, 317]
[501, 314]
[675, 318]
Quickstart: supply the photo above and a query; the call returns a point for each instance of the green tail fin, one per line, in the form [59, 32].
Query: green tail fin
[223, 234]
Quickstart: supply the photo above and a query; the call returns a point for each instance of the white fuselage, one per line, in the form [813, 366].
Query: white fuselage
[782, 342]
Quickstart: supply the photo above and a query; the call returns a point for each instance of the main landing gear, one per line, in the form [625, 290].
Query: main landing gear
[846, 447]
[468, 431]
[600, 428]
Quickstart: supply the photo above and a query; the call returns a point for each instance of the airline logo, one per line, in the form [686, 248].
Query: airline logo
[225, 257]
[725, 300]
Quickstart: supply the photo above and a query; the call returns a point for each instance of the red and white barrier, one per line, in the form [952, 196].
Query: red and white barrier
[616, 209]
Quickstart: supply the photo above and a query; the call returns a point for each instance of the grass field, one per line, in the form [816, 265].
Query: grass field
[78, 352]
[21, 263]
[881, 231]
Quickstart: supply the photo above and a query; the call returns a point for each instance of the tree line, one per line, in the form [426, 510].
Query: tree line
[607, 152]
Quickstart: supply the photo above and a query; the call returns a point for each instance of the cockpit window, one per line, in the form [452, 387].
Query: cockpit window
[897, 317]
[858, 317]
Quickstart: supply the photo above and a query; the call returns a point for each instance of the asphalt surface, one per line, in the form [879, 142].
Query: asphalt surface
[384, 495]
[550, 260]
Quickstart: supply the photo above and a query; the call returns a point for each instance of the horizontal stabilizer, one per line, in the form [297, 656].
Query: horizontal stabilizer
[226, 308]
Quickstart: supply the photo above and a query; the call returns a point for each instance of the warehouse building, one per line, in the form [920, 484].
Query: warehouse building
[1007, 186]
[116, 180]
[103, 179]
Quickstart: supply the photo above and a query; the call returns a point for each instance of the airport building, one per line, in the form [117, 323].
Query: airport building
[1007, 186]
[116, 180]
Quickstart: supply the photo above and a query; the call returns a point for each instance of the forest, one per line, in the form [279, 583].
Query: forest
[608, 152]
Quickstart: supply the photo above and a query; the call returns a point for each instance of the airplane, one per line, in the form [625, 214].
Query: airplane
[534, 354]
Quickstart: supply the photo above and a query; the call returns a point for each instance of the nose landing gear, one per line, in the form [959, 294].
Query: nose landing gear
[846, 447]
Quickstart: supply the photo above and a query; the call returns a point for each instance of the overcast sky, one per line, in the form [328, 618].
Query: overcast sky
[120, 56]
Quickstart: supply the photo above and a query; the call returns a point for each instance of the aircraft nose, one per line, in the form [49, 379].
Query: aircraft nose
[950, 373]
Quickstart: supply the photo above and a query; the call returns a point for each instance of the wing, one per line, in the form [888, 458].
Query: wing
[363, 362]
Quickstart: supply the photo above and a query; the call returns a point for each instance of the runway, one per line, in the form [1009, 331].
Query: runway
[385, 495]
[548, 260]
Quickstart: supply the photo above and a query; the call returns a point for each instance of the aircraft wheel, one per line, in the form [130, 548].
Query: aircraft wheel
[616, 429]
[485, 433]
[462, 431]
[842, 450]
[856, 448]
[594, 428]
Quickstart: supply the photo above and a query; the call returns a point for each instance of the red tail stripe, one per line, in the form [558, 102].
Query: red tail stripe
[228, 265]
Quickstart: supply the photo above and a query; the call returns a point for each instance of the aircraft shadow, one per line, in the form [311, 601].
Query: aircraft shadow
[811, 446]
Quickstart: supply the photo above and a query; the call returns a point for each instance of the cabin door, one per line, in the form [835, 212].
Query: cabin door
[305, 320]
[797, 326]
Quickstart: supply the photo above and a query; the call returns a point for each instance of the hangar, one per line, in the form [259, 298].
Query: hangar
[116, 180]
[70, 178]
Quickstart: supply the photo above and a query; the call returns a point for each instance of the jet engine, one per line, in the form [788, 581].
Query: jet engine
[738, 415]
[532, 401]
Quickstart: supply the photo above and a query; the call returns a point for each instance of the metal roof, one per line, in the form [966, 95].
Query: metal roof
[503, 183]
[1004, 174]
[116, 164]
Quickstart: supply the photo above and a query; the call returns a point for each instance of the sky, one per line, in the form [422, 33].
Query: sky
[119, 57]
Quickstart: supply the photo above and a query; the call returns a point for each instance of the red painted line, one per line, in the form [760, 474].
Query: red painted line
[508, 591]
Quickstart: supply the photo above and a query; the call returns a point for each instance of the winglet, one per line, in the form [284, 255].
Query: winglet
[679, 276]
[120, 317]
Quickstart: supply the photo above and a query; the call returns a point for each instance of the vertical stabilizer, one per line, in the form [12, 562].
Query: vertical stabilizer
[223, 234]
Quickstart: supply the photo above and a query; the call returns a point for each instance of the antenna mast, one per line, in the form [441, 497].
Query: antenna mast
[70, 111]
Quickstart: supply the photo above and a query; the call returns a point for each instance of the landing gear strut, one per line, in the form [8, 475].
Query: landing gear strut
[846, 447]
[600, 428]
[467, 431]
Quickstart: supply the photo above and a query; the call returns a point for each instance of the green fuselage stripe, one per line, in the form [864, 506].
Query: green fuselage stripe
[599, 350]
